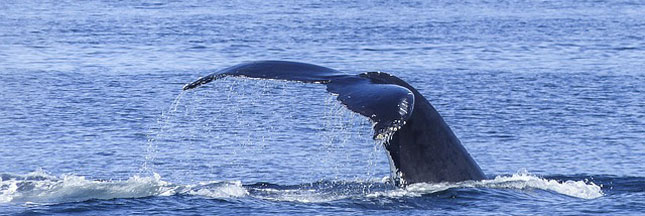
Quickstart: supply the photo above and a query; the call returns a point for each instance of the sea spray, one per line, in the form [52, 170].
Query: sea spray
[162, 124]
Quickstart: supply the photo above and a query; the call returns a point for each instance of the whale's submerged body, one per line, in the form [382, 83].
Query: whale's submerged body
[420, 145]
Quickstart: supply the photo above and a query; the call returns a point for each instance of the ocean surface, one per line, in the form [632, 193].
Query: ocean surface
[547, 96]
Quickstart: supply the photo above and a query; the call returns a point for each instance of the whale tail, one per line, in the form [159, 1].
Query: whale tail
[420, 145]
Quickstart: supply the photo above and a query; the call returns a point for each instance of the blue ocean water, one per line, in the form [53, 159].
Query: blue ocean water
[547, 96]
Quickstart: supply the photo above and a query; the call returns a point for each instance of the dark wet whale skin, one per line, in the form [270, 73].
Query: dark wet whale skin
[425, 149]
[420, 145]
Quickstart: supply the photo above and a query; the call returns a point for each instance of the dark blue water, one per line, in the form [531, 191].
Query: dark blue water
[547, 96]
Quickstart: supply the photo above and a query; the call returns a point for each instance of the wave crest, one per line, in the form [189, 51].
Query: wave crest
[520, 181]
[40, 187]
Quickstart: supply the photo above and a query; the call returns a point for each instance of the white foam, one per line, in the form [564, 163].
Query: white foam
[520, 181]
[216, 189]
[302, 196]
[39, 187]
[579, 189]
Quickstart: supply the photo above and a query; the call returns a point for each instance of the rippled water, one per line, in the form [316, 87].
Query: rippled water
[547, 96]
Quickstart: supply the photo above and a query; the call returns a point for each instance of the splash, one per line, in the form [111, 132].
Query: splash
[519, 181]
[163, 126]
[580, 189]
[237, 125]
[41, 188]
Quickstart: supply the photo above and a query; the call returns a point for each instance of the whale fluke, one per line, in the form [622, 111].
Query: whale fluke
[276, 70]
[420, 145]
